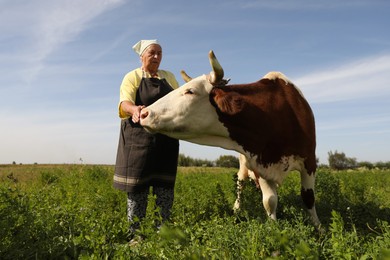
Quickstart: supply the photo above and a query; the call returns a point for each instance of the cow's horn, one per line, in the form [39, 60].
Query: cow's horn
[185, 76]
[216, 75]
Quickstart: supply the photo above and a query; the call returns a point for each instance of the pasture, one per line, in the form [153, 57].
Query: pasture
[72, 212]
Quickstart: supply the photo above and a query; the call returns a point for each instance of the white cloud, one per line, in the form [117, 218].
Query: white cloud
[302, 4]
[44, 26]
[360, 79]
[375, 123]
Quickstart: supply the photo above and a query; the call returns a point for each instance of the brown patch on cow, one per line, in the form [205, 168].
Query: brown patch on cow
[269, 118]
[229, 104]
[308, 197]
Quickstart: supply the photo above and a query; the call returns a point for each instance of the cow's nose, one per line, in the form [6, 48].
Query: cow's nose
[144, 113]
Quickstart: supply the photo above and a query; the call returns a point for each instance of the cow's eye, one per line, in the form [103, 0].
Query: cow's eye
[188, 92]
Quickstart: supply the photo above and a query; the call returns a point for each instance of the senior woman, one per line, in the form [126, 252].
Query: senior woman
[145, 160]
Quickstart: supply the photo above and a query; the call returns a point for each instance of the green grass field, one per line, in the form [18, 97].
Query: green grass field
[73, 212]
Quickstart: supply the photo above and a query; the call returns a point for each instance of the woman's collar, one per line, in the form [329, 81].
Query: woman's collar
[147, 74]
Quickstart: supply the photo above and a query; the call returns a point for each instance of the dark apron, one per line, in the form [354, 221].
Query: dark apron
[145, 159]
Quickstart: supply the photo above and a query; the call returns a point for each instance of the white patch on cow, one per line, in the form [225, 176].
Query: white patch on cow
[217, 141]
[276, 172]
[270, 197]
[273, 75]
[269, 177]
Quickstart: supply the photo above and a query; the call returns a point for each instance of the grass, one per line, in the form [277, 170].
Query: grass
[72, 212]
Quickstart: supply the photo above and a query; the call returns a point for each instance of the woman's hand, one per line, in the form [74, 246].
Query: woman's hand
[136, 115]
[132, 110]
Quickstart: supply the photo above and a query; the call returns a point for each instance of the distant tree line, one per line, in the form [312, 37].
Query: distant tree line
[227, 161]
[339, 161]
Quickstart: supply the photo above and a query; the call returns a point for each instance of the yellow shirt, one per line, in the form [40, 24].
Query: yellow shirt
[131, 83]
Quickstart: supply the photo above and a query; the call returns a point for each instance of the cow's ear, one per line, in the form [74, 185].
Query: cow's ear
[227, 102]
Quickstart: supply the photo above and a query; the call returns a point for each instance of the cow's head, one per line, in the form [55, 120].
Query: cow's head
[187, 114]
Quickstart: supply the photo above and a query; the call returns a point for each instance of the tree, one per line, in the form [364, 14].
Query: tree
[382, 165]
[366, 164]
[228, 161]
[186, 161]
[339, 161]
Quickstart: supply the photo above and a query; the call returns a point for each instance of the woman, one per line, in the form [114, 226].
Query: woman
[145, 160]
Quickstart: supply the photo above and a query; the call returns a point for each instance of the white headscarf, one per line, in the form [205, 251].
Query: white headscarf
[140, 46]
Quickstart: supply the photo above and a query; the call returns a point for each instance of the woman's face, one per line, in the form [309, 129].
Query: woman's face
[151, 58]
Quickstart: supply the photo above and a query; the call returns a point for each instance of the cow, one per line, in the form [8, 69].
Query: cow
[268, 122]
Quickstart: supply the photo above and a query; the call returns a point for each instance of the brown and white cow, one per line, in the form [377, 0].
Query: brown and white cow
[269, 122]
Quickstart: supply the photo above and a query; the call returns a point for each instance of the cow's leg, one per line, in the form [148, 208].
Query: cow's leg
[307, 194]
[242, 174]
[270, 197]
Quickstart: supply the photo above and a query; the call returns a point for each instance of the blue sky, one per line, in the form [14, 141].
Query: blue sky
[62, 62]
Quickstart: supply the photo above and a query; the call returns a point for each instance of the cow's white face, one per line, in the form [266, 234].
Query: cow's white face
[187, 114]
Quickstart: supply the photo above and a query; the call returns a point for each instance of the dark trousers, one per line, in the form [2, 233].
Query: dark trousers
[137, 203]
